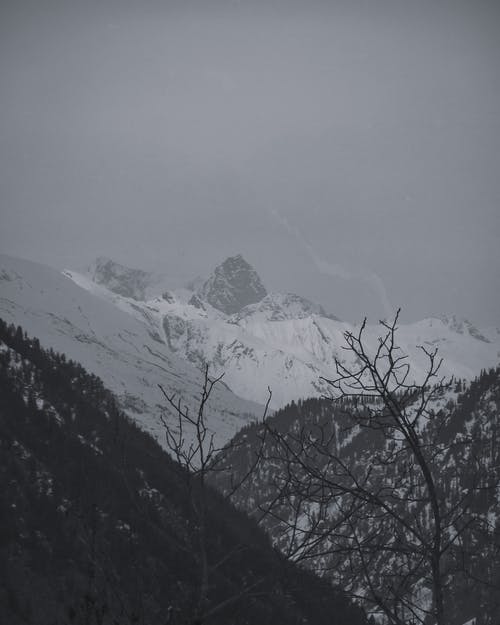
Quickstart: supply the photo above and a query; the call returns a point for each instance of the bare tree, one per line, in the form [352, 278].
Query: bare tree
[192, 445]
[363, 494]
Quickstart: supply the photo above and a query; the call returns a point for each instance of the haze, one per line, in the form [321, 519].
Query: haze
[349, 150]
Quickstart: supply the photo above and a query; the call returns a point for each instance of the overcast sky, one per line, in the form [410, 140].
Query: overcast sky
[349, 150]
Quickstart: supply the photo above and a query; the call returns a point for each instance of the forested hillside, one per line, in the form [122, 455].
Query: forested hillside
[96, 524]
[341, 491]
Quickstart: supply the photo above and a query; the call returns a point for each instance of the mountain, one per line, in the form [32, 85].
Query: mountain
[280, 307]
[117, 339]
[283, 340]
[131, 283]
[233, 285]
[336, 495]
[120, 279]
[97, 521]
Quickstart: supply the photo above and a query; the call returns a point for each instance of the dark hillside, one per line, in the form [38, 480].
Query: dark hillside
[94, 517]
[461, 436]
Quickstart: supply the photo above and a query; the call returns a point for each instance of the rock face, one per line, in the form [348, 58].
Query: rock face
[120, 279]
[233, 285]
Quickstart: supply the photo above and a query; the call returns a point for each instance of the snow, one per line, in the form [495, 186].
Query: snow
[283, 341]
[291, 355]
[115, 340]
[288, 343]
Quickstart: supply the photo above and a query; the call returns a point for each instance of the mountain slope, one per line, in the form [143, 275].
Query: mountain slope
[126, 350]
[96, 527]
[320, 460]
[283, 340]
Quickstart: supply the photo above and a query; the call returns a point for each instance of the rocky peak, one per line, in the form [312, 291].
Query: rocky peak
[120, 279]
[233, 285]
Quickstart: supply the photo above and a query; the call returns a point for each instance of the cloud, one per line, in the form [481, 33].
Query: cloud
[335, 270]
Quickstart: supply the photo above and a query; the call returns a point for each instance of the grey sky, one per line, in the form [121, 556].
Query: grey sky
[350, 150]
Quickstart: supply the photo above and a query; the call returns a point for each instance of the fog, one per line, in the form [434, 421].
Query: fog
[349, 150]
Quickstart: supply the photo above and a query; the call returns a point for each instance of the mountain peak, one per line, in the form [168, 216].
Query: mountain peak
[120, 279]
[233, 285]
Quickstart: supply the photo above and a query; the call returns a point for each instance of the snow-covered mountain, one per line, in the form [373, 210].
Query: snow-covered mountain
[113, 337]
[284, 341]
